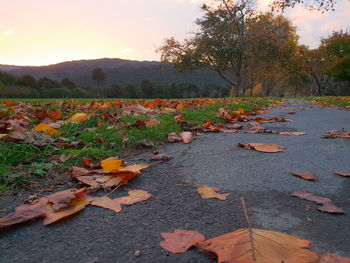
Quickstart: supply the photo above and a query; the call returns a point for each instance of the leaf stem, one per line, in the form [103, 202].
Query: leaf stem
[249, 227]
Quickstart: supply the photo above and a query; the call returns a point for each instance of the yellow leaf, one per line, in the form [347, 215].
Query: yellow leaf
[79, 117]
[111, 165]
[207, 192]
[135, 196]
[46, 129]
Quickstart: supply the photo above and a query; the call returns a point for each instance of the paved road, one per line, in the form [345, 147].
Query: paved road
[99, 235]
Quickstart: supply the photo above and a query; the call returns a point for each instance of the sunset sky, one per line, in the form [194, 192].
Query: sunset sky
[41, 32]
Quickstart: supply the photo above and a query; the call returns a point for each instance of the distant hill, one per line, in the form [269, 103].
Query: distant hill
[118, 71]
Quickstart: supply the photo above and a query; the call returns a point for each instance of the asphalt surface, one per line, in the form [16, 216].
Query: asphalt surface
[100, 235]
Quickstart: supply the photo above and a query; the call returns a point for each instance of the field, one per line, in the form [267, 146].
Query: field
[75, 130]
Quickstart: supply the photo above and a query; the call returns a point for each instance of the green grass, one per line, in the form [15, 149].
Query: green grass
[343, 101]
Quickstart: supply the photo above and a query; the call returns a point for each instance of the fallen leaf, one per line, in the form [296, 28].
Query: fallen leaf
[173, 137]
[149, 123]
[332, 258]
[327, 205]
[111, 165]
[305, 175]
[106, 202]
[292, 133]
[180, 240]
[77, 204]
[161, 157]
[342, 134]
[79, 117]
[186, 137]
[135, 196]
[25, 213]
[266, 247]
[262, 147]
[207, 192]
[61, 199]
[345, 174]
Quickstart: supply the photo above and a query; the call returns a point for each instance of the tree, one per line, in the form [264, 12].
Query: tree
[320, 5]
[66, 82]
[229, 39]
[98, 75]
[27, 81]
[147, 88]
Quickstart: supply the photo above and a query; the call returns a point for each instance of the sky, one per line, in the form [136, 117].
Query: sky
[42, 32]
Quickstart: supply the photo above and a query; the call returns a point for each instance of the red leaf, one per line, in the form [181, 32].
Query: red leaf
[180, 240]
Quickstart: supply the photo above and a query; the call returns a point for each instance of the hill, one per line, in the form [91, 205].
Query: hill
[118, 71]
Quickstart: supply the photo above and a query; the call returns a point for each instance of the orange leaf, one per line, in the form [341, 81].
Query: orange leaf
[108, 203]
[332, 258]
[46, 129]
[305, 175]
[79, 117]
[77, 204]
[135, 196]
[207, 192]
[87, 162]
[173, 137]
[111, 165]
[266, 247]
[241, 110]
[180, 240]
[186, 137]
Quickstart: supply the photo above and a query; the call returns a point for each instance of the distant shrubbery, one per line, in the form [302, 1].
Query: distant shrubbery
[28, 87]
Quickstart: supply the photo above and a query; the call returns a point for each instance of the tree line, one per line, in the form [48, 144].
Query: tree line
[258, 53]
[28, 87]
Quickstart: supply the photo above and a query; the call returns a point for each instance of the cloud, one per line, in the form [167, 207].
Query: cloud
[8, 32]
[126, 50]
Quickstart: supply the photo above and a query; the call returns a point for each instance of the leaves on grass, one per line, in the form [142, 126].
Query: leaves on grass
[111, 165]
[345, 174]
[263, 147]
[79, 117]
[46, 129]
[207, 192]
[305, 175]
[266, 246]
[149, 123]
[180, 240]
[134, 197]
[327, 205]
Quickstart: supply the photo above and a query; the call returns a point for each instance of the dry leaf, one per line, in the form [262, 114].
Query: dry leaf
[327, 204]
[332, 258]
[135, 196]
[77, 204]
[79, 117]
[61, 199]
[345, 174]
[267, 247]
[207, 192]
[152, 123]
[173, 137]
[305, 175]
[268, 148]
[186, 137]
[24, 213]
[180, 240]
[292, 133]
[108, 203]
[161, 157]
